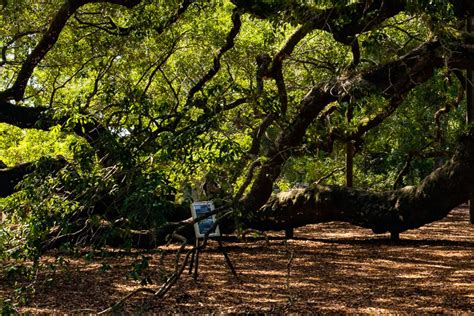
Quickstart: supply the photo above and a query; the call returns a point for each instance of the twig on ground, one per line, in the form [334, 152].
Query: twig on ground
[166, 286]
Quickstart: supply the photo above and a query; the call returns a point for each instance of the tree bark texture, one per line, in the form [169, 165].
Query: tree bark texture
[391, 211]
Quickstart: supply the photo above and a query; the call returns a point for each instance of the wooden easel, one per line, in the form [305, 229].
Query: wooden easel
[199, 209]
[195, 257]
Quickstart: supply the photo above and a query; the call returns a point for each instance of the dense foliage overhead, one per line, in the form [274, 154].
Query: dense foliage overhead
[153, 104]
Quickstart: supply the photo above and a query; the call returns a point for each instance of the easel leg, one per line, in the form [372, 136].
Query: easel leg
[196, 264]
[192, 259]
[227, 259]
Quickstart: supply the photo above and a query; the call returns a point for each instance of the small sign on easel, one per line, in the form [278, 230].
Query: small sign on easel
[206, 226]
[201, 209]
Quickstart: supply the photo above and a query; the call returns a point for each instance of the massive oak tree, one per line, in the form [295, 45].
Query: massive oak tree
[232, 94]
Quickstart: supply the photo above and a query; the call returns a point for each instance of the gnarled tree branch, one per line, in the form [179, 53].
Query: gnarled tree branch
[393, 211]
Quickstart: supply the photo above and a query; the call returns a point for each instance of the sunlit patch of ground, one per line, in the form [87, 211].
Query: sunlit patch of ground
[335, 268]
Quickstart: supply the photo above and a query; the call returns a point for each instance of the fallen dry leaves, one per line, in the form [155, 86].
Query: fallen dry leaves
[335, 268]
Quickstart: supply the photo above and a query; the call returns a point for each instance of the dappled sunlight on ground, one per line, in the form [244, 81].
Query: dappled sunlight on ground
[335, 267]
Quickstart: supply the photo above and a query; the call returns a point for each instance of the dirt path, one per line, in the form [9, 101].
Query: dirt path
[335, 268]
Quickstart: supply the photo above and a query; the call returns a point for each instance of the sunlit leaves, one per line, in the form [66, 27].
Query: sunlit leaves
[129, 72]
[19, 146]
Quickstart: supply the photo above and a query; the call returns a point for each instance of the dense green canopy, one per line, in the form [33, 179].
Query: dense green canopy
[154, 104]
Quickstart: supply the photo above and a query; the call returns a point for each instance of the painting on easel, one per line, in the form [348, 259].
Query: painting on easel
[200, 209]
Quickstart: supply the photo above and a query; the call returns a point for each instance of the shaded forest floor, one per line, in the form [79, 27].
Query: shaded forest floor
[334, 268]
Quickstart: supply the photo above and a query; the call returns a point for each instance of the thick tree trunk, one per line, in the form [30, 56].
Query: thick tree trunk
[390, 211]
[470, 113]
[350, 151]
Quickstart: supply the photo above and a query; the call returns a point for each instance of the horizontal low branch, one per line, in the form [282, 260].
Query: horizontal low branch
[22, 116]
[394, 211]
[11, 177]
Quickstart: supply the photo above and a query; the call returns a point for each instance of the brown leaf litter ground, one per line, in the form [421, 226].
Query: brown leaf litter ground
[334, 268]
